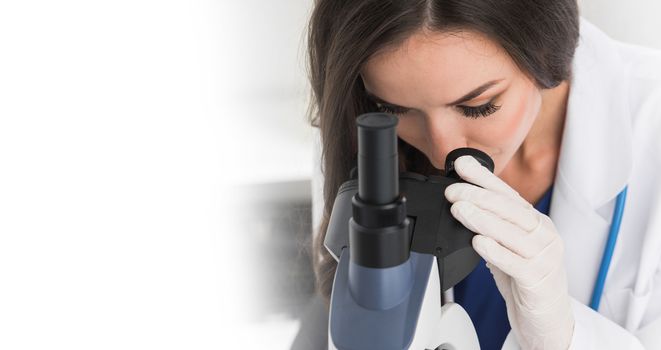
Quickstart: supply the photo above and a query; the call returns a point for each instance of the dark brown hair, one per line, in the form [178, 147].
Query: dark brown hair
[539, 35]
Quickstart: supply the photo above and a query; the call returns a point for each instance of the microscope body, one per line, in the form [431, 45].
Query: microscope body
[432, 228]
[398, 249]
[441, 255]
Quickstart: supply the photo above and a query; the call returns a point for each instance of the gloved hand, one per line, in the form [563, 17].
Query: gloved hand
[523, 251]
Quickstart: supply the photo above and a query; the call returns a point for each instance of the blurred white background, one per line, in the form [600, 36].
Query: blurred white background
[144, 149]
[111, 151]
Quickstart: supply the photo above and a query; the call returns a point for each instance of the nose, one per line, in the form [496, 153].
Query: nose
[443, 137]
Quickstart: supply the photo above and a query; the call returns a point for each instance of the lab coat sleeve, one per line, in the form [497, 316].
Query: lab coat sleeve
[595, 331]
[650, 335]
[649, 329]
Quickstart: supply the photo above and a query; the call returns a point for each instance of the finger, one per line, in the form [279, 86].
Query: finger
[511, 236]
[503, 281]
[539, 296]
[546, 262]
[504, 285]
[503, 206]
[472, 171]
[507, 289]
[504, 259]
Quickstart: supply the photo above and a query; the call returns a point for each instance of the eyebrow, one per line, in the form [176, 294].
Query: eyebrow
[469, 96]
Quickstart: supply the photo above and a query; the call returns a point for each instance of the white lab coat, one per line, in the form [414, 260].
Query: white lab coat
[611, 138]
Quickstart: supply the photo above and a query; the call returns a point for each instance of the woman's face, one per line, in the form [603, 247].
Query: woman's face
[454, 90]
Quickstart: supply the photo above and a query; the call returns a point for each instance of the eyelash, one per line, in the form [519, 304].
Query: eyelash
[480, 111]
[469, 112]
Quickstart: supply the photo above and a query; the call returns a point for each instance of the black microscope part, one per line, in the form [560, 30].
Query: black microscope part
[400, 212]
[377, 158]
[379, 229]
[481, 157]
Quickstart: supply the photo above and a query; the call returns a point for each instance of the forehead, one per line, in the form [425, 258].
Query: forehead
[445, 63]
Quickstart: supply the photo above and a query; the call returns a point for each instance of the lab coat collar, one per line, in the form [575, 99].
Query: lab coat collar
[596, 153]
[595, 158]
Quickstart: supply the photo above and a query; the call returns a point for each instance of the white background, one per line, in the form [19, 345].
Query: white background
[123, 127]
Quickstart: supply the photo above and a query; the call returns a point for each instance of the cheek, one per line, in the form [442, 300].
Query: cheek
[510, 127]
[507, 130]
[519, 121]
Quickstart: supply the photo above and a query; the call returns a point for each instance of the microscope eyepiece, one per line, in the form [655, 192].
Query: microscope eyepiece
[378, 175]
[379, 228]
[481, 157]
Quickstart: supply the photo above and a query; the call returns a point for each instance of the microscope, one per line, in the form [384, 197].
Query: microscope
[398, 249]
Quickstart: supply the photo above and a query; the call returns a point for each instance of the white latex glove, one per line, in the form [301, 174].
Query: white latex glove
[523, 251]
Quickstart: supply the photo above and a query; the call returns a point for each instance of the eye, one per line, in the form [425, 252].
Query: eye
[468, 111]
[391, 109]
[479, 111]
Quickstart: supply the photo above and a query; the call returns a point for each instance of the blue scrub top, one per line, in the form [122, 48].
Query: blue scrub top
[479, 296]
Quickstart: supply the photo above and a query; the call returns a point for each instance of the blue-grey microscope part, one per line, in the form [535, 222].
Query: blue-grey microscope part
[380, 288]
[353, 327]
[337, 236]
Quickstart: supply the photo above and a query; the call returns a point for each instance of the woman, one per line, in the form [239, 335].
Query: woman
[572, 120]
